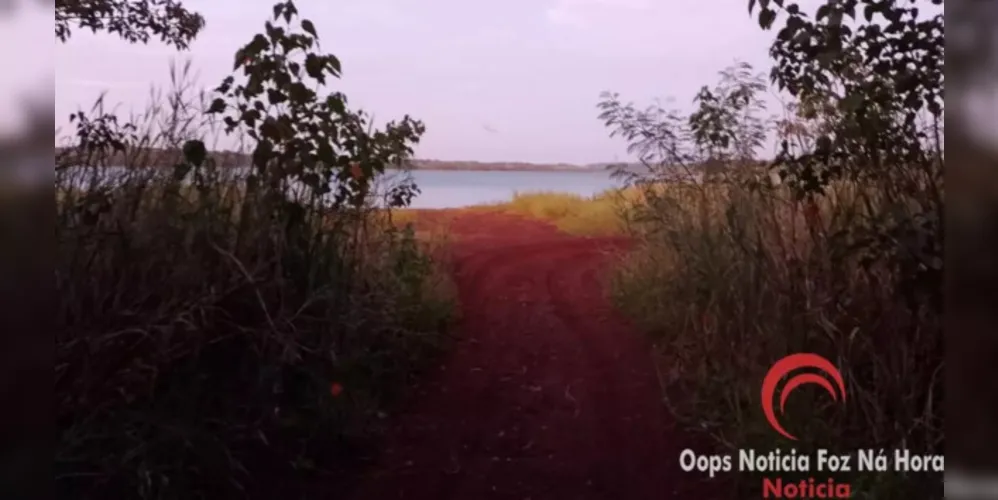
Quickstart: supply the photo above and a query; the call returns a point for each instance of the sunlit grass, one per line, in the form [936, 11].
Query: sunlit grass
[572, 213]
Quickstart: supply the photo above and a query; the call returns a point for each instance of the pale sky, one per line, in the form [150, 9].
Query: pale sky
[514, 80]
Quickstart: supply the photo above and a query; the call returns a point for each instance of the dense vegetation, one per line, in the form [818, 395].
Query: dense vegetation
[222, 336]
[839, 253]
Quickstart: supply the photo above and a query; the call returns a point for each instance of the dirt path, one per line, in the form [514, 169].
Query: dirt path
[549, 394]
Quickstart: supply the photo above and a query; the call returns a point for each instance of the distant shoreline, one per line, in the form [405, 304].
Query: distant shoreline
[476, 166]
[164, 158]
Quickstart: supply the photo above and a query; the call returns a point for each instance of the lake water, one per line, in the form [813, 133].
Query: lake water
[461, 188]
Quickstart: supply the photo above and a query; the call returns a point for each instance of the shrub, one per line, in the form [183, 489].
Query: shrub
[836, 249]
[229, 331]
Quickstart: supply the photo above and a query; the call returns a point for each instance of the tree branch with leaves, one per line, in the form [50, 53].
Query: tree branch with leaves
[135, 21]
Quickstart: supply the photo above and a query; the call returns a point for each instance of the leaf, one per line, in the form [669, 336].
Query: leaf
[335, 102]
[308, 27]
[334, 63]
[195, 152]
[893, 15]
[263, 151]
[766, 18]
[275, 96]
[823, 11]
[850, 10]
[249, 117]
[225, 86]
[257, 45]
[313, 66]
[934, 106]
[240, 59]
[290, 11]
[300, 94]
[325, 153]
[217, 106]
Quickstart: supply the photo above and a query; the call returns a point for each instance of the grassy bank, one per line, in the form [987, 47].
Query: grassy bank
[222, 337]
[602, 214]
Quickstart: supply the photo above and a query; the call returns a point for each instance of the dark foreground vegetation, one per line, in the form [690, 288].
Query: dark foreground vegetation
[222, 337]
[839, 253]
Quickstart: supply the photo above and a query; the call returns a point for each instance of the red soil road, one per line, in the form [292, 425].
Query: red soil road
[549, 393]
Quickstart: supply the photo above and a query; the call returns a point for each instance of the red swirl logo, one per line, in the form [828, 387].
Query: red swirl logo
[792, 363]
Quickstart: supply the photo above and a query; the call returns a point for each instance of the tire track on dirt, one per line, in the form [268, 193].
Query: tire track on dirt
[540, 449]
[435, 446]
[548, 394]
[621, 379]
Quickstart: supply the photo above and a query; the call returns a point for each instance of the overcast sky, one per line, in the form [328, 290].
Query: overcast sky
[505, 80]
[515, 80]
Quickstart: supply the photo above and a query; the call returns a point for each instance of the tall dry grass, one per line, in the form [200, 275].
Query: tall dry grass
[731, 276]
[215, 341]
[600, 214]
